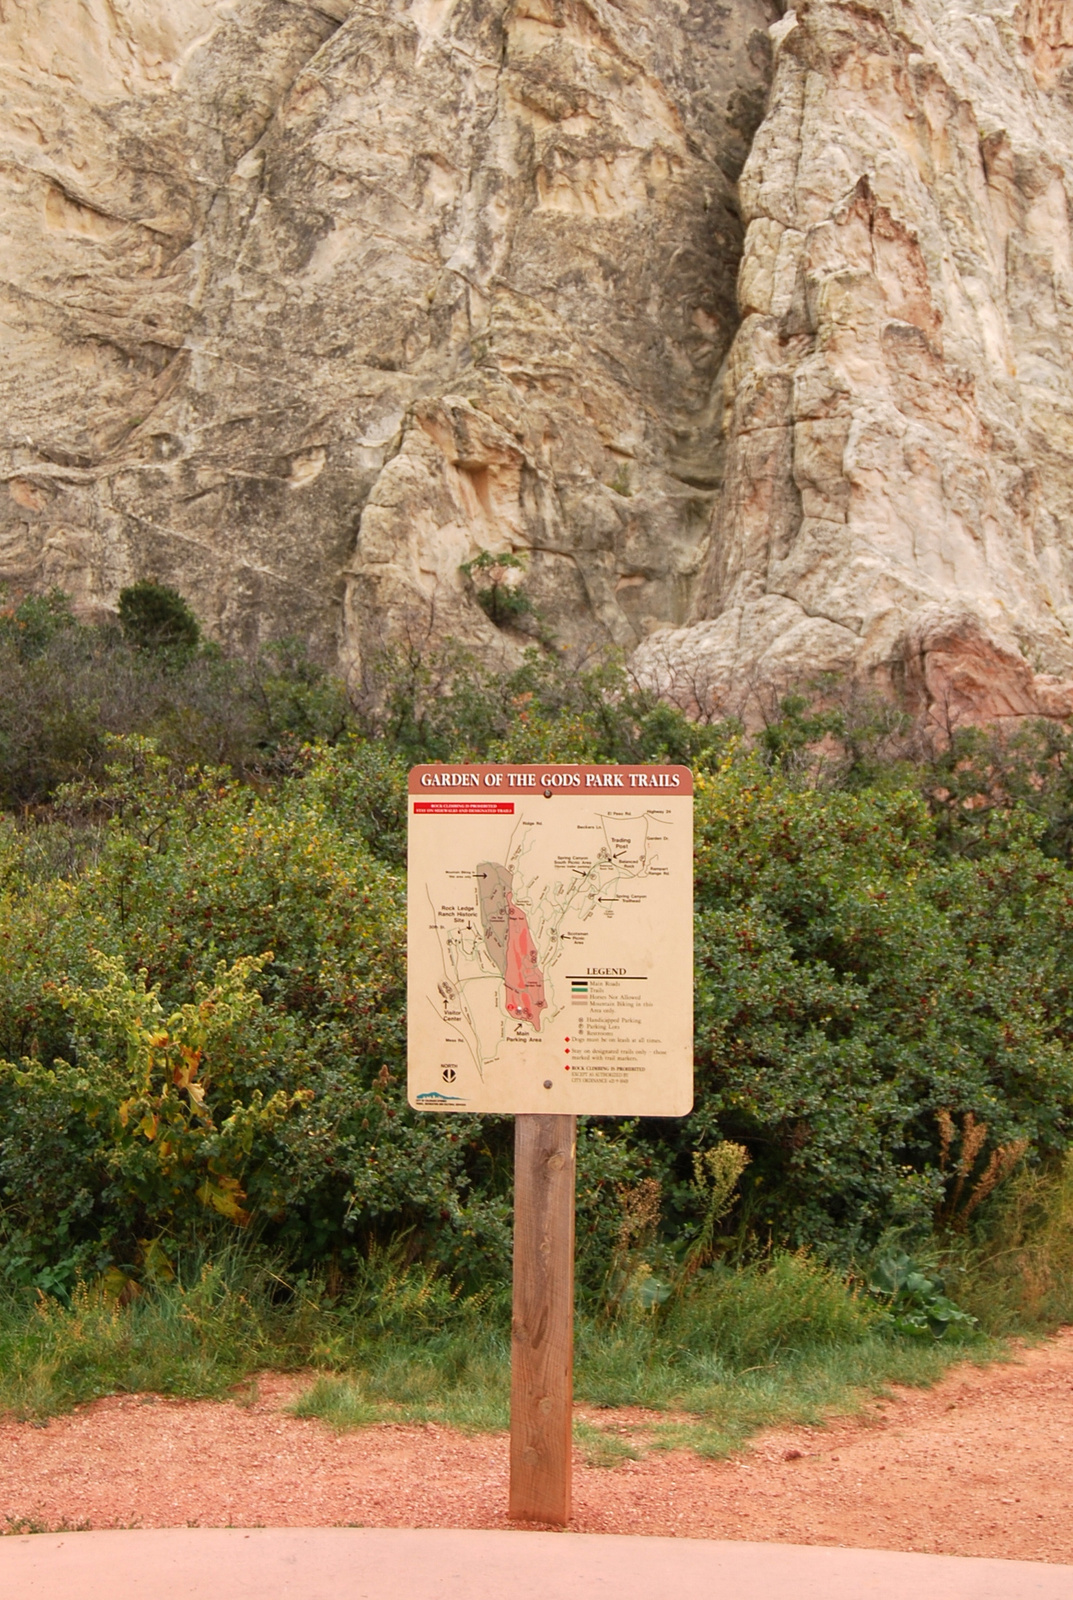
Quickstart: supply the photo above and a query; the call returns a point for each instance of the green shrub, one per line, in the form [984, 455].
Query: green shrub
[158, 619]
[876, 962]
[916, 1302]
[191, 873]
[853, 982]
[502, 601]
[65, 687]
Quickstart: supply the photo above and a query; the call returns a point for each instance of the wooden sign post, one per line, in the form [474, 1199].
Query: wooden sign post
[542, 1321]
[550, 950]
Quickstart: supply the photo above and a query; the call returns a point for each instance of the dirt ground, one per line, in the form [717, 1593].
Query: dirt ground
[979, 1465]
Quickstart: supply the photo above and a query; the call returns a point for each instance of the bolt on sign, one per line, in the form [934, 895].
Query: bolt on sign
[551, 940]
[550, 975]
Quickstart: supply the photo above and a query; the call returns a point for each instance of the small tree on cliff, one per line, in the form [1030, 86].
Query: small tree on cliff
[500, 599]
[158, 619]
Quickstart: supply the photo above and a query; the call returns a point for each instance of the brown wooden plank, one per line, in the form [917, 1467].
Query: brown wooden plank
[542, 1331]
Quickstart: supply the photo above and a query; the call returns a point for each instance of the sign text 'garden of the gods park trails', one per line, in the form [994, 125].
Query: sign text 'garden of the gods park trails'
[551, 939]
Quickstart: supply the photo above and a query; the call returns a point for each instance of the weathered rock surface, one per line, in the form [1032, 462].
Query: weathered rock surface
[898, 501]
[304, 302]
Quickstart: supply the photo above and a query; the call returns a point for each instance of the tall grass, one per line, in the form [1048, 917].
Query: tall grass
[785, 1340]
[194, 1337]
[1017, 1278]
[782, 1340]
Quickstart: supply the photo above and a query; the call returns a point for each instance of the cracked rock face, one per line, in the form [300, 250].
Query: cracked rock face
[898, 401]
[304, 304]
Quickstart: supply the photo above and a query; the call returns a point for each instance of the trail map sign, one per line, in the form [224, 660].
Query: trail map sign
[551, 939]
[550, 974]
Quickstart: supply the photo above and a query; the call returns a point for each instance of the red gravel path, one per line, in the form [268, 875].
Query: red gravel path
[978, 1465]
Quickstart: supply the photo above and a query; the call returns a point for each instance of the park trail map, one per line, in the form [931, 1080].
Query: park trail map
[550, 939]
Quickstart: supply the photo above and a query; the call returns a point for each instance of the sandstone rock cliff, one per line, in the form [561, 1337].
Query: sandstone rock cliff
[306, 303]
[898, 500]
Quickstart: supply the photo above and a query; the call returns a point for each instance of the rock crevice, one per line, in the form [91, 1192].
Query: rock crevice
[899, 397]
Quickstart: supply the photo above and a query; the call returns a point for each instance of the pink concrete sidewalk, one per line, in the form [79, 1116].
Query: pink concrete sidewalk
[458, 1564]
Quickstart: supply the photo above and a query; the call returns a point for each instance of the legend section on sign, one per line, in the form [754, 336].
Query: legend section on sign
[614, 1030]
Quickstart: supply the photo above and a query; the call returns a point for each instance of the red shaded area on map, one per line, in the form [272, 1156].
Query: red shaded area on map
[523, 978]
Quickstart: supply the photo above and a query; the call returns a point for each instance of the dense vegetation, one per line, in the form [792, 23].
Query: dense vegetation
[201, 972]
